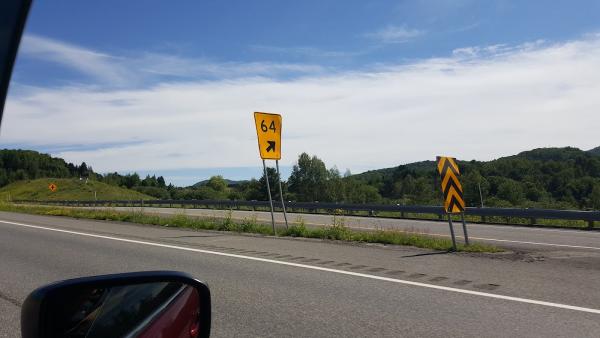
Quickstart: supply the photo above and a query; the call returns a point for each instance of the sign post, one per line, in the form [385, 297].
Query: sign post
[268, 130]
[462, 215]
[452, 231]
[270, 199]
[454, 202]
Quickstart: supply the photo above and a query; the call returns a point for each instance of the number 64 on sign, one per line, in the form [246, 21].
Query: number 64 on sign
[268, 130]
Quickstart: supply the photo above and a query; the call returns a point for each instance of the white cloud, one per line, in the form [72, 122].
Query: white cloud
[132, 70]
[309, 52]
[395, 34]
[98, 65]
[508, 100]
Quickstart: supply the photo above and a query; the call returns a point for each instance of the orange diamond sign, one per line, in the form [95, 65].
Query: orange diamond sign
[52, 187]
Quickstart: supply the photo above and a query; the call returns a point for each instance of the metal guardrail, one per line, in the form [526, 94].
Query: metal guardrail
[314, 207]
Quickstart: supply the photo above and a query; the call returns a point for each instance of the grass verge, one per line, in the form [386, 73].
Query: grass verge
[337, 231]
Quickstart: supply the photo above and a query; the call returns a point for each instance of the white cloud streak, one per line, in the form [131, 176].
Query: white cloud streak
[98, 65]
[128, 71]
[472, 105]
[394, 34]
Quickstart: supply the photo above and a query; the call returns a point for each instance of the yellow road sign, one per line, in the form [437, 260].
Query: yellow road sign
[453, 191]
[52, 187]
[268, 129]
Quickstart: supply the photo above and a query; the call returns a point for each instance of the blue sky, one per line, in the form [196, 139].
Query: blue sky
[170, 87]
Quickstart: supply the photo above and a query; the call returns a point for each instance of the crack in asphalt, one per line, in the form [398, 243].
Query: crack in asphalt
[9, 299]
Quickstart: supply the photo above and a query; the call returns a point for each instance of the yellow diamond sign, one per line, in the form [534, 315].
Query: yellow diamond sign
[268, 130]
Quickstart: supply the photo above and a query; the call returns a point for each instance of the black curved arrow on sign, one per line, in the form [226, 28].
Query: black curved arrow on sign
[271, 146]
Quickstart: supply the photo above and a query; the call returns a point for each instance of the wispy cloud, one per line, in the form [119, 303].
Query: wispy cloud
[176, 66]
[395, 34]
[101, 66]
[481, 102]
[308, 52]
[151, 68]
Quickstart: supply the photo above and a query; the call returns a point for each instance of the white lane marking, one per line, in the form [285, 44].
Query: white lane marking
[342, 272]
[536, 243]
[506, 240]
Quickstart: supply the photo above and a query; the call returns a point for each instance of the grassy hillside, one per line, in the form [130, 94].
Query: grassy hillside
[68, 189]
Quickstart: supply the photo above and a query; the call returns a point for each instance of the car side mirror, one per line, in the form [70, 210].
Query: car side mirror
[138, 304]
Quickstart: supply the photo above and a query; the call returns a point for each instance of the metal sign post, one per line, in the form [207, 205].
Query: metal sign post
[452, 232]
[270, 199]
[464, 224]
[268, 131]
[281, 194]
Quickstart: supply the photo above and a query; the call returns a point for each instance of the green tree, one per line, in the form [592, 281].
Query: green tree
[217, 183]
[595, 196]
[273, 184]
[309, 179]
[511, 191]
[335, 189]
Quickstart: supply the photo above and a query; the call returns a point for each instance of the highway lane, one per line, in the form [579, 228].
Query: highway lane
[280, 287]
[522, 238]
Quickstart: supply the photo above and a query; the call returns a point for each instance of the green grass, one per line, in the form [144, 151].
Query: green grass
[68, 189]
[558, 223]
[337, 231]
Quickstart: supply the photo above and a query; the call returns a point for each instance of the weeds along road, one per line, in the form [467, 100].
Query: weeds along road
[275, 287]
[561, 241]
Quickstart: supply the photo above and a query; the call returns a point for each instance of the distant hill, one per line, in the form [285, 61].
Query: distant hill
[595, 151]
[67, 189]
[230, 183]
[545, 177]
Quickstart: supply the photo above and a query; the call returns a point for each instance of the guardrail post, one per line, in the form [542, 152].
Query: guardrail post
[590, 224]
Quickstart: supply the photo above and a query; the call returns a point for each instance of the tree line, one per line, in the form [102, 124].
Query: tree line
[562, 178]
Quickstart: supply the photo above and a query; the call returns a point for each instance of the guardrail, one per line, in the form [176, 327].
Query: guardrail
[399, 211]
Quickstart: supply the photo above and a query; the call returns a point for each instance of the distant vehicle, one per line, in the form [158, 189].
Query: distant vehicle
[139, 304]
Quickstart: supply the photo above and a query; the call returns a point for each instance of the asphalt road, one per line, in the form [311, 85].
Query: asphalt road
[514, 237]
[274, 287]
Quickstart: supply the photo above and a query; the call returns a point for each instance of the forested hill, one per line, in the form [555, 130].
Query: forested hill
[595, 151]
[547, 177]
[564, 178]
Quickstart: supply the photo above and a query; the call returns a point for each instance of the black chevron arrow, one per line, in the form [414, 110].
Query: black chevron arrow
[452, 184]
[271, 146]
[454, 203]
[448, 166]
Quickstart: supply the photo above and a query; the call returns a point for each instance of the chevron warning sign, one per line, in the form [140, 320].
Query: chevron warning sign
[453, 191]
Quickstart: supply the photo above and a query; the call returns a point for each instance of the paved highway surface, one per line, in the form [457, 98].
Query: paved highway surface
[522, 238]
[275, 287]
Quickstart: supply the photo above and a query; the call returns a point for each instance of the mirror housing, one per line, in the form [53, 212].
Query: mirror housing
[138, 304]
